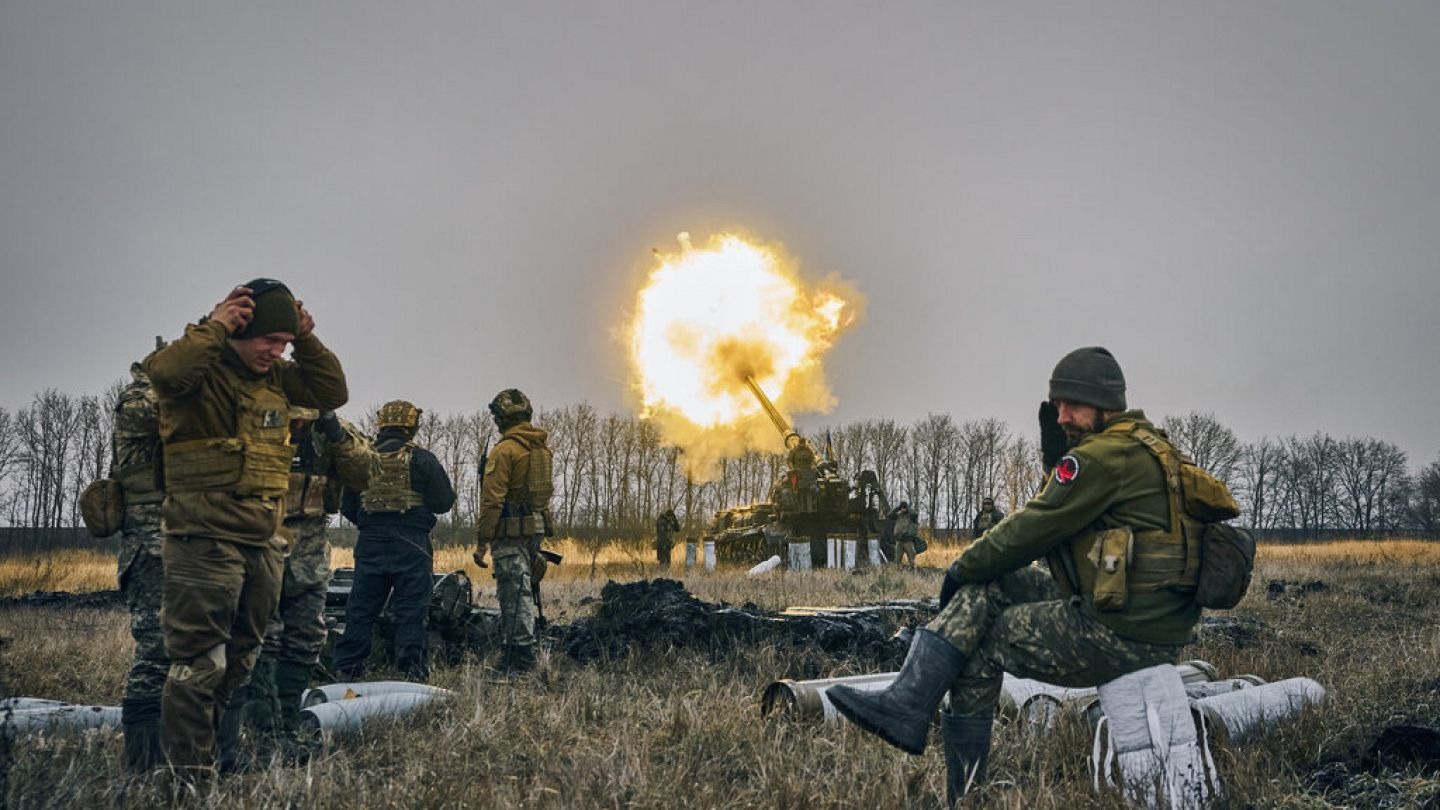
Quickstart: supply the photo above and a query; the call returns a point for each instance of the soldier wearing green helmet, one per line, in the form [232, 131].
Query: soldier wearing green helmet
[1119, 596]
[514, 516]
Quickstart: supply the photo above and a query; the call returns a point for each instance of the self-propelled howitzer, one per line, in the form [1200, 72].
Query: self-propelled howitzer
[811, 502]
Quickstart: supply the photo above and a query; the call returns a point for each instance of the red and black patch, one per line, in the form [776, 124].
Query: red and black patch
[1067, 469]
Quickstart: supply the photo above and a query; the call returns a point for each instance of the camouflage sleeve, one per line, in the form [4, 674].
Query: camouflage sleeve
[1081, 488]
[178, 368]
[352, 460]
[492, 494]
[314, 379]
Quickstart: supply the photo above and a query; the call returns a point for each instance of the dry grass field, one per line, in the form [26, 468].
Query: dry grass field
[684, 728]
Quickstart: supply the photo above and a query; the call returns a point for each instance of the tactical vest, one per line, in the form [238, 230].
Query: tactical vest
[985, 521]
[390, 491]
[1113, 563]
[253, 463]
[308, 488]
[527, 500]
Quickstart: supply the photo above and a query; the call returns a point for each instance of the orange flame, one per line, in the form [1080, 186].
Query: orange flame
[708, 318]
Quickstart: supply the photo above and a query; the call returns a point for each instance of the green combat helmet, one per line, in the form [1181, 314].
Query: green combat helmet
[398, 413]
[510, 407]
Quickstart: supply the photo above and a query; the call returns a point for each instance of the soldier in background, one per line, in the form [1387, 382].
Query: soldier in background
[906, 534]
[394, 558]
[225, 391]
[665, 527]
[1000, 614]
[329, 455]
[514, 515]
[987, 517]
[135, 451]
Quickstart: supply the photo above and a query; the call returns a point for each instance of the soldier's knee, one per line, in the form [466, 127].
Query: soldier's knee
[204, 671]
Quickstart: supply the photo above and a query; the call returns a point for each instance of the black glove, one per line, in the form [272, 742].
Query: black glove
[329, 426]
[1054, 444]
[948, 587]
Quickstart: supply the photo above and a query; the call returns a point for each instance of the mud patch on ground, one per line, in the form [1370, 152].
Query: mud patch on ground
[661, 614]
[95, 600]
[1238, 632]
[1279, 588]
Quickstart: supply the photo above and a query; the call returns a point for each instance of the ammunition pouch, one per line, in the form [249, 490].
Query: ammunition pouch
[526, 526]
[245, 468]
[1111, 564]
[139, 483]
[306, 496]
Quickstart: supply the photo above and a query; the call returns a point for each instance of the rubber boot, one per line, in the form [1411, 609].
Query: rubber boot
[901, 713]
[967, 750]
[140, 722]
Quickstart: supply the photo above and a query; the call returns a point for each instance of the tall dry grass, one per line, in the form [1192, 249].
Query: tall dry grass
[683, 728]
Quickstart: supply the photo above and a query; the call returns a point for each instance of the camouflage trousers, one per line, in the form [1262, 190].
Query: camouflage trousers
[141, 577]
[513, 576]
[905, 551]
[1019, 624]
[218, 597]
[296, 633]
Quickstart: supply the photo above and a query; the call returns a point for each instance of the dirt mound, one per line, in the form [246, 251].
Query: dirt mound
[661, 614]
[95, 600]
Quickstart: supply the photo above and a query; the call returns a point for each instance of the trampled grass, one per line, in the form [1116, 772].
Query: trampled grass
[684, 728]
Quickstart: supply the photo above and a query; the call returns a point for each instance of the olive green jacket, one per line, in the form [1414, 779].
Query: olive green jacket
[1109, 480]
[197, 401]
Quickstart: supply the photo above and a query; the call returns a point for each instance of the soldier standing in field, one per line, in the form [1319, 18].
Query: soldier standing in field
[987, 517]
[329, 454]
[906, 534]
[514, 516]
[665, 527]
[225, 393]
[1001, 614]
[135, 453]
[394, 558]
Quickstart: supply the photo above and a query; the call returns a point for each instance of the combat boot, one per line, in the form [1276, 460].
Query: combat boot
[291, 681]
[140, 722]
[261, 707]
[967, 750]
[231, 758]
[518, 658]
[900, 714]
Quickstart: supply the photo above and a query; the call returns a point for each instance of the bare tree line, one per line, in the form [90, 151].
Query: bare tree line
[613, 473]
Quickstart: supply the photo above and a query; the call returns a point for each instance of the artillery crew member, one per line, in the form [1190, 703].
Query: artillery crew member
[225, 395]
[135, 453]
[1090, 624]
[394, 558]
[329, 454]
[987, 517]
[665, 527]
[906, 533]
[514, 516]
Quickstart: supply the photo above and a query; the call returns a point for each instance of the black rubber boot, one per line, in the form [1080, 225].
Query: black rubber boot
[140, 722]
[901, 714]
[967, 750]
[291, 681]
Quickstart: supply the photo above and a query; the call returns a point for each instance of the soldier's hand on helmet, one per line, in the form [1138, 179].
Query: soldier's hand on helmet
[329, 426]
[307, 323]
[235, 311]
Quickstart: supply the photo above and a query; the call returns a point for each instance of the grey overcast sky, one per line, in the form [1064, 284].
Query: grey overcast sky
[1241, 200]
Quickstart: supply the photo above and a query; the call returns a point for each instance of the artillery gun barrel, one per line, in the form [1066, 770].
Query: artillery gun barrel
[789, 434]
